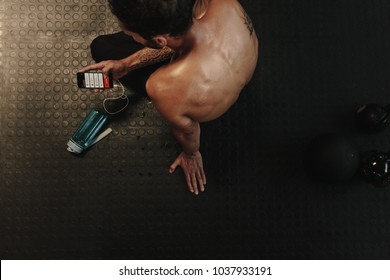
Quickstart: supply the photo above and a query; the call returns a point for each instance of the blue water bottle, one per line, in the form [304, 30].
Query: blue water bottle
[89, 132]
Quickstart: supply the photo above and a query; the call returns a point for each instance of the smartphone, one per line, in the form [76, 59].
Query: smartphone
[94, 80]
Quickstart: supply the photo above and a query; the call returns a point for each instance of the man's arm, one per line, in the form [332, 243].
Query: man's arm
[190, 160]
[188, 136]
[142, 58]
[146, 57]
[186, 131]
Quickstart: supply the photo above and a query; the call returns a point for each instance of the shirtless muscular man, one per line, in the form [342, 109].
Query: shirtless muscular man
[214, 51]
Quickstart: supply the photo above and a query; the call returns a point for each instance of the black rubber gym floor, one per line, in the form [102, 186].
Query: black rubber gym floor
[319, 61]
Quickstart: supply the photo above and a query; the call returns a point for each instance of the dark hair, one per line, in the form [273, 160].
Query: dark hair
[154, 17]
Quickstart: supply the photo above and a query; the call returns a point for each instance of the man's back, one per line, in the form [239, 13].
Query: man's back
[207, 75]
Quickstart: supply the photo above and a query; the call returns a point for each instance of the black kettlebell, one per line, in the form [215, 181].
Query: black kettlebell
[332, 158]
[375, 168]
[373, 118]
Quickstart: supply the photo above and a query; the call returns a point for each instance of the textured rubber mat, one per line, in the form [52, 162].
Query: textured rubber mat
[319, 61]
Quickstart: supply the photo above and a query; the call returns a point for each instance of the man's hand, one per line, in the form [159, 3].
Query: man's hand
[118, 68]
[192, 166]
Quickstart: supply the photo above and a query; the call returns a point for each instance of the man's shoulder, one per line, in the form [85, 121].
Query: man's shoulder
[168, 96]
[157, 83]
[167, 80]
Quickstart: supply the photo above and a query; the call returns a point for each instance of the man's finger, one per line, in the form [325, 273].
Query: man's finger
[200, 181]
[194, 184]
[203, 176]
[188, 180]
[173, 167]
[96, 66]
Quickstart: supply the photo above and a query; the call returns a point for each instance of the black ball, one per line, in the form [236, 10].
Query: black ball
[332, 158]
[375, 168]
[372, 118]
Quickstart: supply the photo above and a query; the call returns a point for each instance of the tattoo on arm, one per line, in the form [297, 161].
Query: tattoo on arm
[248, 22]
[148, 56]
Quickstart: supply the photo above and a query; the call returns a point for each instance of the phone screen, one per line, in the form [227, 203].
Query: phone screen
[94, 80]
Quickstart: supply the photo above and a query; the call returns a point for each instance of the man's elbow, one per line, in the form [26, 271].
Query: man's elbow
[187, 131]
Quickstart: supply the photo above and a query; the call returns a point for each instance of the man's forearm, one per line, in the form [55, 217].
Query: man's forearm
[147, 56]
[189, 140]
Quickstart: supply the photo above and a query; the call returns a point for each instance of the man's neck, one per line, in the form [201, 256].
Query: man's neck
[181, 44]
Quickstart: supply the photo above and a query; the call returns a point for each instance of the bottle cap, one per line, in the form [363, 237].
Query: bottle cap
[74, 148]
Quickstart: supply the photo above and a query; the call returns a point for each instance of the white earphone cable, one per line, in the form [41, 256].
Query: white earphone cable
[122, 96]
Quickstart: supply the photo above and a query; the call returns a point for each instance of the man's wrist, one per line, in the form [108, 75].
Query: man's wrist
[128, 62]
[189, 154]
